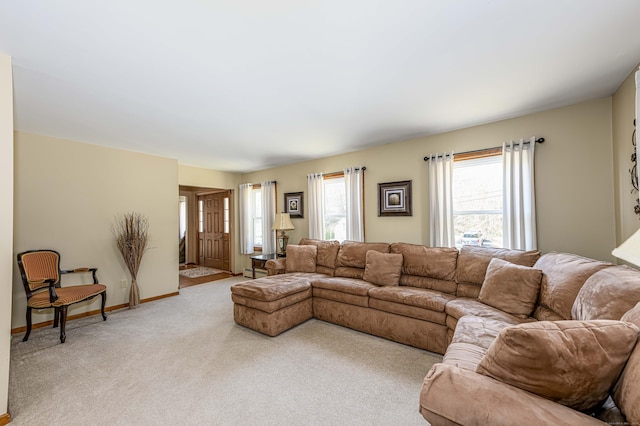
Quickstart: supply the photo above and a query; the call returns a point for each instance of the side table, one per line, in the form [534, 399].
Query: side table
[259, 262]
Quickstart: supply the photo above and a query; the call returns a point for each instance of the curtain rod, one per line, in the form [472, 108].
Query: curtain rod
[363, 168]
[539, 140]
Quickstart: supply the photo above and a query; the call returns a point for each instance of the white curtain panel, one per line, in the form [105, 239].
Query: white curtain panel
[268, 217]
[441, 200]
[353, 191]
[245, 201]
[316, 205]
[518, 192]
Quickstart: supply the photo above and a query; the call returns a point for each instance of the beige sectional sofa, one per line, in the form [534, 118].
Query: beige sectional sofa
[526, 339]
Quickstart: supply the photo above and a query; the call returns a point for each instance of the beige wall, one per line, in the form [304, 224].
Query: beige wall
[623, 113]
[6, 223]
[574, 177]
[67, 194]
[204, 178]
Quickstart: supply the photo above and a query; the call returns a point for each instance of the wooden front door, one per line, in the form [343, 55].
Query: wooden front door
[214, 242]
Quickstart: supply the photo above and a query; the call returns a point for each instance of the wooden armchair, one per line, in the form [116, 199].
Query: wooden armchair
[40, 270]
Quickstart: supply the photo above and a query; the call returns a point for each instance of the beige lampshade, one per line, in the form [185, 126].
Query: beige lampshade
[282, 223]
[629, 250]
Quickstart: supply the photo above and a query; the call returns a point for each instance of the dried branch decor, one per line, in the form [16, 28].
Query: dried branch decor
[132, 236]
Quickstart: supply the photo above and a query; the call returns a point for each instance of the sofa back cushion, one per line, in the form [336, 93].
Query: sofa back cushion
[608, 294]
[473, 262]
[327, 254]
[564, 274]
[301, 258]
[574, 363]
[383, 268]
[626, 393]
[511, 288]
[352, 258]
[432, 268]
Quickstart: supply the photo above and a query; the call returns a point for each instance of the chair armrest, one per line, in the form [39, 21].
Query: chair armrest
[80, 270]
[275, 266]
[51, 283]
[482, 400]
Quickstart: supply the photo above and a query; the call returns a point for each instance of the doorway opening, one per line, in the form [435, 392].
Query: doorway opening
[205, 234]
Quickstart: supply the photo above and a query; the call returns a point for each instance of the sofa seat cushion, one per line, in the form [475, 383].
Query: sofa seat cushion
[344, 290]
[421, 298]
[607, 294]
[344, 285]
[563, 276]
[464, 306]
[274, 287]
[574, 363]
[474, 260]
[418, 303]
[471, 340]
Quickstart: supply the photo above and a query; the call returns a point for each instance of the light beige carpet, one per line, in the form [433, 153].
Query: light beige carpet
[182, 360]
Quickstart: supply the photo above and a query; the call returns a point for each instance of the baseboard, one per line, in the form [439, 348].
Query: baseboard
[88, 314]
[5, 419]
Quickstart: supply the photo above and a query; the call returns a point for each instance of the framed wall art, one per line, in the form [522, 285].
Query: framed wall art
[294, 204]
[394, 198]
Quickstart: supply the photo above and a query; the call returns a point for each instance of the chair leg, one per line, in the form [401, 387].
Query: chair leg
[26, 336]
[104, 301]
[56, 317]
[63, 323]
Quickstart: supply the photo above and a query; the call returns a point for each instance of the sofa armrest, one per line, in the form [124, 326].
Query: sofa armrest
[275, 266]
[481, 400]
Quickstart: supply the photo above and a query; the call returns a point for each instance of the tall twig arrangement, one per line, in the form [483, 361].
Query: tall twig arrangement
[132, 236]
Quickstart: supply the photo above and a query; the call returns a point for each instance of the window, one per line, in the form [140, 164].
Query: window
[226, 215]
[335, 208]
[477, 201]
[257, 216]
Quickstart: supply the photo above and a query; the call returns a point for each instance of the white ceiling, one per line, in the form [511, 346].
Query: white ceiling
[241, 85]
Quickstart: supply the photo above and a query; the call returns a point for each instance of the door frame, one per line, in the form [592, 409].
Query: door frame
[192, 192]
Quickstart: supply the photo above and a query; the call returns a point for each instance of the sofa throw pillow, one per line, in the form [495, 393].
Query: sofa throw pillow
[574, 363]
[511, 288]
[301, 258]
[383, 269]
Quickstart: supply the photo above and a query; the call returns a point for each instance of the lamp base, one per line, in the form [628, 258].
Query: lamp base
[283, 239]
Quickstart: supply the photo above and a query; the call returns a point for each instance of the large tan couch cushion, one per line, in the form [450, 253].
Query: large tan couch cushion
[455, 396]
[327, 254]
[626, 393]
[511, 288]
[564, 275]
[462, 306]
[346, 290]
[471, 341]
[352, 258]
[301, 258]
[383, 268]
[473, 262]
[608, 294]
[427, 267]
[574, 363]
[272, 288]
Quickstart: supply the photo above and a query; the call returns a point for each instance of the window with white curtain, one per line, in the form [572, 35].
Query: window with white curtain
[478, 202]
[335, 208]
[256, 215]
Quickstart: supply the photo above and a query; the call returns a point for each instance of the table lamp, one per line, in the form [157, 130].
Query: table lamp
[282, 224]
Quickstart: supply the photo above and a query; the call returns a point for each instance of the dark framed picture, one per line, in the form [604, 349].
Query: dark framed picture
[294, 204]
[394, 198]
